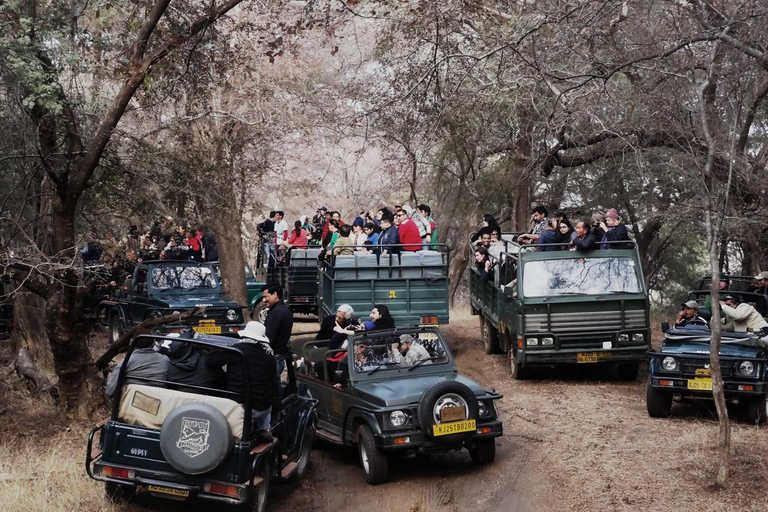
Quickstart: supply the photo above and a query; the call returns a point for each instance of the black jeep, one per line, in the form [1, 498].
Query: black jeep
[183, 441]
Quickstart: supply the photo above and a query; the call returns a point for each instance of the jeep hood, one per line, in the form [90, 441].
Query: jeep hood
[396, 391]
[702, 347]
[171, 300]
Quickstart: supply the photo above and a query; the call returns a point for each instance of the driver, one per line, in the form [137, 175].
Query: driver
[406, 353]
[689, 315]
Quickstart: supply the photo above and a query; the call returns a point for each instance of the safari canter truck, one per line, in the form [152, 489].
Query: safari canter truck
[550, 308]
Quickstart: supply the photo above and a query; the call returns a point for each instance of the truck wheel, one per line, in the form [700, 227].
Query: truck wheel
[302, 464]
[374, 462]
[516, 370]
[115, 329]
[628, 371]
[259, 496]
[117, 493]
[758, 410]
[484, 451]
[659, 403]
[195, 438]
[490, 336]
[259, 313]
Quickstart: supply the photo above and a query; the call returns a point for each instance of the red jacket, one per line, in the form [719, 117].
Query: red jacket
[300, 242]
[325, 228]
[409, 235]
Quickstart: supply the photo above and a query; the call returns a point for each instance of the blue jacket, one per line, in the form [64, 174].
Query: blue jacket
[549, 237]
[389, 237]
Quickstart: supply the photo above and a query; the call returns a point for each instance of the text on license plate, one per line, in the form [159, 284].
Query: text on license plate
[208, 329]
[168, 490]
[703, 384]
[454, 427]
[586, 357]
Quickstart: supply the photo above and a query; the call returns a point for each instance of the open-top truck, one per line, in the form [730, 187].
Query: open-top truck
[549, 308]
[297, 273]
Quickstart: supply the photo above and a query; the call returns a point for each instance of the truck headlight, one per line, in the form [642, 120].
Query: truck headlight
[669, 364]
[397, 418]
[532, 342]
[481, 408]
[548, 341]
[638, 337]
[747, 368]
[231, 315]
[623, 338]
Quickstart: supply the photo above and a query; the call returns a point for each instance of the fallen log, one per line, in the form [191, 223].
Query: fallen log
[26, 367]
[144, 327]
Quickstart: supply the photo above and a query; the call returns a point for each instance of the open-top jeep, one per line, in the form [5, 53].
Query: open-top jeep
[180, 441]
[389, 407]
[160, 288]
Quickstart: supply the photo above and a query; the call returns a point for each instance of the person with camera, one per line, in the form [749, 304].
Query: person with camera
[689, 315]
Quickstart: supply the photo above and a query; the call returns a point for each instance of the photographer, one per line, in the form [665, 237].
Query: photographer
[689, 315]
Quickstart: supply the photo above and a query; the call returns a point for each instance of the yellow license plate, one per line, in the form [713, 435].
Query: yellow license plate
[208, 329]
[700, 384]
[455, 427]
[586, 357]
[168, 490]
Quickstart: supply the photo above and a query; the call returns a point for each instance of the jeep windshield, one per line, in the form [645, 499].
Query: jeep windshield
[388, 352]
[178, 278]
[580, 276]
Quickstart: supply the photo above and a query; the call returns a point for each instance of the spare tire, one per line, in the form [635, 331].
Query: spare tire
[446, 394]
[195, 438]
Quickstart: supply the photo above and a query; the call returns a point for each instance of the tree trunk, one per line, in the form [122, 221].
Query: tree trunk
[29, 328]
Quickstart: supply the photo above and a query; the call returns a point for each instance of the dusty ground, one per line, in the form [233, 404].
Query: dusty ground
[574, 440]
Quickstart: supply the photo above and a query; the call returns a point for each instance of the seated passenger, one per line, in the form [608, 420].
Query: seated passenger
[298, 237]
[337, 328]
[408, 230]
[584, 241]
[187, 366]
[343, 244]
[362, 363]
[723, 284]
[389, 238]
[761, 287]
[358, 235]
[549, 237]
[483, 264]
[380, 319]
[483, 239]
[261, 370]
[567, 233]
[407, 353]
[372, 233]
[612, 230]
[740, 316]
[145, 363]
[689, 315]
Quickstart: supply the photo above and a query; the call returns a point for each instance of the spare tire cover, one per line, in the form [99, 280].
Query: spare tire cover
[447, 393]
[195, 438]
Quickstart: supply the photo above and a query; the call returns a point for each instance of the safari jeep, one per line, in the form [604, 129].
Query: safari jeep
[681, 368]
[165, 287]
[199, 442]
[391, 410]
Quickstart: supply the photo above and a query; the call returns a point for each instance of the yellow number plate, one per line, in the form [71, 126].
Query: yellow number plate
[443, 429]
[700, 384]
[168, 490]
[586, 357]
[208, 329]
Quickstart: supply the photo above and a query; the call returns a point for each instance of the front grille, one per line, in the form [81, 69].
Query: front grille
[688, 366]
[585, 321]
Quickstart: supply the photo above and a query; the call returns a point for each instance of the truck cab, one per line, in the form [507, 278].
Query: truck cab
[558, 307]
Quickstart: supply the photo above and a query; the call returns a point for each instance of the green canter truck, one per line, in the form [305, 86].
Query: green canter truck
[413, 285]
[548, 308]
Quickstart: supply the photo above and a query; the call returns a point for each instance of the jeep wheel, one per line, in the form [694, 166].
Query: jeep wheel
[259, 312]
[484, 451]
[302, 463]
[628, 371]
[260, 494]
[658, 402]
[117, 493]
[446, 394]
[758, 410]
[374, 462]
[490, 336]
[195, 438]
[516, 370]
[115, 329]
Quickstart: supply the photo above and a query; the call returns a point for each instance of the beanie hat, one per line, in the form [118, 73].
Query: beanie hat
[359, 222]
[612, 214]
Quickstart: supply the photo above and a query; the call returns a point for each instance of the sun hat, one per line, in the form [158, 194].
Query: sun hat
[691, 304]
[255, 331]
[762, 275]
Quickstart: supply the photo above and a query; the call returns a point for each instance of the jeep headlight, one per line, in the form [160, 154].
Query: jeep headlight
[547, 341]
[481, 408]
[231, 315]
[177, 312]
[747, 368]
[638, 337]
[623, 338]
[669, 364]
[532, 342]
[397, 418]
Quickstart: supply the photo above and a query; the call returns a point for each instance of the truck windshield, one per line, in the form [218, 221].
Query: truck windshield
[580, 276]
[183, 278]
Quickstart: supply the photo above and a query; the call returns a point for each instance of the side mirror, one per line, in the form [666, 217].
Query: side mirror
[664, 326]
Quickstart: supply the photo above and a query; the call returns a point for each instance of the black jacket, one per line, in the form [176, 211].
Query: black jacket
[326, 332]
[585, 244]
[262, 373]
[279, 324]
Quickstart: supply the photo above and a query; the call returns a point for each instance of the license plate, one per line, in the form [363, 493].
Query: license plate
[586, 357]
[168, 490]
[443, 429]
[700, 384]
[452, 414]
[208, 329]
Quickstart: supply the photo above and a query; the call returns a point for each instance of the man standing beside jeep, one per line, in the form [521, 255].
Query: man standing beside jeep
[279, 320]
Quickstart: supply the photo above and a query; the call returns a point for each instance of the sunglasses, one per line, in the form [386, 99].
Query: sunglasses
[401, 215]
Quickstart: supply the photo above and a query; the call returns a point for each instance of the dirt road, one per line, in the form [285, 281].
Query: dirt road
[574, 440]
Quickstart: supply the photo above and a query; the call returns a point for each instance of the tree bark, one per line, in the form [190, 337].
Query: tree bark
[25, 366]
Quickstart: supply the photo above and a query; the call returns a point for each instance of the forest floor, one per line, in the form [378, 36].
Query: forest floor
[574, 439]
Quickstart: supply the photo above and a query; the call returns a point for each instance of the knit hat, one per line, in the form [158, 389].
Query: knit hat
[359, 222]
[612, 214]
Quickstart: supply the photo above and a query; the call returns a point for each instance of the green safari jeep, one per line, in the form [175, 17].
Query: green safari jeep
[391, 404]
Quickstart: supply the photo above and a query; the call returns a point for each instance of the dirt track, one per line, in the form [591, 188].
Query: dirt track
[574, 440]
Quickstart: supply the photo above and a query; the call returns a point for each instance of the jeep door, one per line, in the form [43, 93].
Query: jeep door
[286, 421]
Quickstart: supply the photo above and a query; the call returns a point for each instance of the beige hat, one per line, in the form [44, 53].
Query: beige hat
[762, 275]
[691, 304]
[255, 331]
